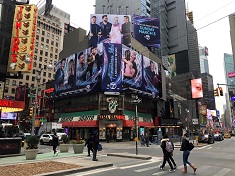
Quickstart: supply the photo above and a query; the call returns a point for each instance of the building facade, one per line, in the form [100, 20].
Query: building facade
[232, 33]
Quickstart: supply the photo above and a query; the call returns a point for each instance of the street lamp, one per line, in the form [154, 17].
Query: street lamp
[38, 78]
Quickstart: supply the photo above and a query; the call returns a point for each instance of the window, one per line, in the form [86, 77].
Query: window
[13, 90]
[36, 44]
[57, 38]
[44, 73]
[46, 47]
[35, 57]
[6, 90]
[49, 75]
[52, 42]
[56, 44]
[51, 50]
[41, 52]
[27, 77]
[37, 37]
[48, 34]
[40, 59]
[34, 65]
[47, 41]
[7, 82]
[51, 55]
[40, 65]
[14, 82]
[44, 80]
[34, 71]
[44, 67]
[52, 36]
[36, 50]
[38, 31]
[20, 83]
[42, 46]
[43, 32]
[55, 56]
[42, 39]
[56, 50]
[33, 78]
[46, 53]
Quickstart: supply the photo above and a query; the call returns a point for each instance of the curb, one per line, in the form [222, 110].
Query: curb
[130, 156]
[74, 171]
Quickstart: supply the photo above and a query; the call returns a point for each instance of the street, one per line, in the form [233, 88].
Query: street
[211, 160]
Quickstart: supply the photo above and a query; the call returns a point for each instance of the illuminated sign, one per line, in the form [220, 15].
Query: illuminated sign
[11, 105]
[111, 117]
[23, 38]
[231, 74]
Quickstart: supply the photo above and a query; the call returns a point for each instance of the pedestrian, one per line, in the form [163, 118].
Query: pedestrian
[55, 143]
[167, 149]
[89, 144]
[95, 146]
[186, 153]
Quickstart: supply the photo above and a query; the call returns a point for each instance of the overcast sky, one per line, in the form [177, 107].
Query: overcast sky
[215, 36]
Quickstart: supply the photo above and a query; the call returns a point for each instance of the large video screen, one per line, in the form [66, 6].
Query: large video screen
[8, 115]
[109, 28]
[131, 68]
[196, 86]
[147, 30]
[150, 77]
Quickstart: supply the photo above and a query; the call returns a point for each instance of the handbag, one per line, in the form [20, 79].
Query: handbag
[190, 146]
[99, 147]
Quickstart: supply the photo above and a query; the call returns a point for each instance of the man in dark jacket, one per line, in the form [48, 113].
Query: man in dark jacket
[95, 146]
[89, 144]
[55, 143]
[167, 149]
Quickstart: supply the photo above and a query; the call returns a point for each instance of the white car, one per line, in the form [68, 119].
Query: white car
[60, 135]
[46, 138]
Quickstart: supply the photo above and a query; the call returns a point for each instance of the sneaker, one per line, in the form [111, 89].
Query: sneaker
[161, 167]
[175, 167]
[171, 170]
[56, 154]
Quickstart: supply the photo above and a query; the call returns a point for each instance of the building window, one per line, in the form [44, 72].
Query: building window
[55, 56]
[43, 32]
[13, 82]
[46, 53]
[51, 55]
[52, 36]
[42, 46]
[44, 80]
[56, 44]
[51, 50]
[6, 90]
[47, 40]
[44, 73]
[35, 57]
[36, 44]
[57, 38]
[41, 52]
[27, 77]
[33, 78]
[38, 31]
[7, 82]
[56, 50]
[34, 71]
[37, 37]
[36, 50]
[40, 65]
[13, 90]
[52, 42]
[48, 34]
[49, 75]
[46, 47]
[42, 39]
[34, 65]
[40, 59]
[20, 83]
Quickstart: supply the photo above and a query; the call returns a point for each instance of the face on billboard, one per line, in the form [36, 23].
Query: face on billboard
[131, 68]
[110, 29]
[196, 85]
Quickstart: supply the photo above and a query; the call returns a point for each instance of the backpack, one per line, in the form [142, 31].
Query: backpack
[169, 146]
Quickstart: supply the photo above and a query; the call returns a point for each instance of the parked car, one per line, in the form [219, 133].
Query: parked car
[218, 137]
[207, 137]
[227, 135]
[60, 135]
[46, 138]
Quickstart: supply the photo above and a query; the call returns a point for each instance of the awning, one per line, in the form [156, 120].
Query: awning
[129, 123]
[93, 123]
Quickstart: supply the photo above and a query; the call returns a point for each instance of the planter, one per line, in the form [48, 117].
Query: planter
[31, 154]
[78, 148]
[64, 148]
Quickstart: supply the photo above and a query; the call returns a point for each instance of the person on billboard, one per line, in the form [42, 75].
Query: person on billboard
[130, 68]
[98, 59]
[90, 63]
[71, 68]
[105, 28]
[81, 68]
[152, 76]
[126, 31]
[197, 88]
[94, 30]
[115, 33]
[59, 76]
[20, 93]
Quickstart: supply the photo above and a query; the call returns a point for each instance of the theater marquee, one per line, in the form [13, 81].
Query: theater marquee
[23, 39]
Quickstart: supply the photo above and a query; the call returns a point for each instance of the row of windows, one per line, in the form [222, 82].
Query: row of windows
[48, 35]
[47, 41]
[49, 28]
[46, 53]
[46, 47]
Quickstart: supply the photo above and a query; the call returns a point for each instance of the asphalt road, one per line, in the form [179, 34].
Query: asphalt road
[216, 159]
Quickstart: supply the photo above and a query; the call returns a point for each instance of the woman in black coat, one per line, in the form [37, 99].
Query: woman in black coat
[95, 146]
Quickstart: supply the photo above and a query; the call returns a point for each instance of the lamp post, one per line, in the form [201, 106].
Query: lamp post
[37, 81]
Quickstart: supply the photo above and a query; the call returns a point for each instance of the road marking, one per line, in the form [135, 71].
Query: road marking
[209, 148]
[222, 172]
[202, 147]
[142, 164]
[145, 169]
[166, 171]
[203, 168]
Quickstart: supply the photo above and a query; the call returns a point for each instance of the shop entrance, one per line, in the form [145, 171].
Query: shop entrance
[111, 134]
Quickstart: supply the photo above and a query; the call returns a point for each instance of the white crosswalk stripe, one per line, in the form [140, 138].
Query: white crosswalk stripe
[203, 168]
[222, 172]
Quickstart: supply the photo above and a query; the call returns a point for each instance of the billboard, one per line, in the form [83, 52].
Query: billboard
[172, 65]
[65, 74]
[23, 39]
[20, 93]
[8, 115]
[147, 31]
[150, 77]
[111, 74]
[196, 86]
[110, 29]
[131, 69]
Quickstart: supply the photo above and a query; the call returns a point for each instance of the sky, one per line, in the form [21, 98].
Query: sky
[215, 36]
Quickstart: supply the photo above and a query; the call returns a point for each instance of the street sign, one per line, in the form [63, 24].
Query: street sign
[136, 101]
[195, 121]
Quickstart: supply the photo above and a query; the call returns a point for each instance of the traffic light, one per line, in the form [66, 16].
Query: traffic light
[31, 112]
[216, 92]
[221, 91]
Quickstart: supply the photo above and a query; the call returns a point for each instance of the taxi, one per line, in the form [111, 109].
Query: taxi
[227, 135]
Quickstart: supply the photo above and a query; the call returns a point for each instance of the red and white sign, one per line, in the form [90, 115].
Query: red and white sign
[231, 74]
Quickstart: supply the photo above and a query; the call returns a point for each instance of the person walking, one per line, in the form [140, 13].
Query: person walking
[89, 144]
[95, 146]
[55, 143]
[186, 153]
[167, 149]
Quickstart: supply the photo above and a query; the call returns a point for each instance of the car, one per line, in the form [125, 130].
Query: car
[207, 137]
[218, 137]
[60, 135]
[227, 135]
[232, 134]
[46, 138]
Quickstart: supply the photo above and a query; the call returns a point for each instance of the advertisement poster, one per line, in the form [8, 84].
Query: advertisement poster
[196, 85]
[150, 77]
[65, 74]
[131, 68]
[88, 68]
[109, 28]
[147, 30]
[20, 93]
[111, 74]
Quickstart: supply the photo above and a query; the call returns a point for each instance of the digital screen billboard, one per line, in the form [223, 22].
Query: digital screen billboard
[196, 86]
[111, 74]
[65, 74]
[131, 68]
[110, 29]
[147, 30]
[150, 77]
[8, 115]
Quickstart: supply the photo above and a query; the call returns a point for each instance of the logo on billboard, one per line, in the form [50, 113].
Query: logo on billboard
[112, 105]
